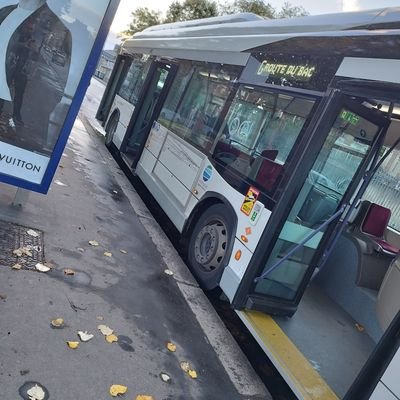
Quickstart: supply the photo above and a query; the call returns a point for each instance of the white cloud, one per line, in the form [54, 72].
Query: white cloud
[351, 5]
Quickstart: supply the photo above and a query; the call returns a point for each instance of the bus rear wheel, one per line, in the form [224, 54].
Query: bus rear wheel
[208, 245]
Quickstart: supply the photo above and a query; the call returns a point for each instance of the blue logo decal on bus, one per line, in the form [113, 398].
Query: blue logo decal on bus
[207, 174]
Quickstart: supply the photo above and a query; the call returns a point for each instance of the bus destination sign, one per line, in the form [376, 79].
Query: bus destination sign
[303, 73]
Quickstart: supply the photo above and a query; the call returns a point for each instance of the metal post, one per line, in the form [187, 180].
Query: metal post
[21, 197]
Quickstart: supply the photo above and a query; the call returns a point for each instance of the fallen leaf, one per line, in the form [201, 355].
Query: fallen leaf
[107, 254]
[36, 393]
[17, 267]
[115, 192]
[171, 347]
[116, 390]
[57, 323]
[144, 397]
[359, 327]
[32, 233]
[69, 272]
[85, 336]
[192, 373]
[105, 330]
[100, 318]
[185, 366]
[112, 338]
[73, 345]
[165, 377]
[18, 252]
[168, 272]
[123, 251]
[93, 243]
[42, 268]
[27, 251]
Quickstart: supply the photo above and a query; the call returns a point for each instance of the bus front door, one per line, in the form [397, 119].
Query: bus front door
[151, 99]
[339, 149]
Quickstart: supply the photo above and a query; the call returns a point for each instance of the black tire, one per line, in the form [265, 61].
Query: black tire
[111, 127]
[210, 245]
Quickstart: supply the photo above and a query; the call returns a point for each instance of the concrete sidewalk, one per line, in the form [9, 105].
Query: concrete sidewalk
[91, 199]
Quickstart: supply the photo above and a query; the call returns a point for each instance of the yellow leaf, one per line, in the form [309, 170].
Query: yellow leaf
[105, 330]
[144, 397]
[18, 252]
[36, 393]
[94, 243]
[16, 267]
[73, 345]
[185, 366]
[112, 338]
[107, 254]
[192, 373]
[171, 347]
[69, 271]
[116, 390]
[57, 323]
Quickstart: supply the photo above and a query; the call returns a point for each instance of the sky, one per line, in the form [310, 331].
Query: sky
[314, 7]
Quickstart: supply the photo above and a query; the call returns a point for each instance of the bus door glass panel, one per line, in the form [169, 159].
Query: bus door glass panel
[196, 100]
[258, 135]
[345, 148]
[145, 116]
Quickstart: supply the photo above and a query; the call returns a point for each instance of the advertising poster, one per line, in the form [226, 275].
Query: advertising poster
[46, 46]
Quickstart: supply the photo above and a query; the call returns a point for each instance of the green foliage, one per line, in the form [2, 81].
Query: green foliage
[185, 10]
[142, 18]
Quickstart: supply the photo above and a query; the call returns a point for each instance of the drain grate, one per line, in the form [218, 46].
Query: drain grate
[13, 237]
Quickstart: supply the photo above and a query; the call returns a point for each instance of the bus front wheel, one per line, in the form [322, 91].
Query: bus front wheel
[209, 244]
[111, 127]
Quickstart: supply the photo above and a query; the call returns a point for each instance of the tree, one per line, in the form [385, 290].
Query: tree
[258, 7]
[191, 9]
[142, 18]
[263, 9]
[289, 11]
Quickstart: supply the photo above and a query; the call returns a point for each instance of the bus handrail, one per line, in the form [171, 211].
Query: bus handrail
[298, 246]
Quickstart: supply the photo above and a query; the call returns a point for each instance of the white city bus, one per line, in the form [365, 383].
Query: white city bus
[263, 142]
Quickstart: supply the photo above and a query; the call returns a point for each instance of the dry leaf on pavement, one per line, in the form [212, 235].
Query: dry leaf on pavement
[85, 336]
[192, 373]
[18, 252]
[57, 323]
[185, 366]
[112, 338]
[32, 233]
[165, 377]
[105, 330]
[17, 267]
[107, 254]
[42, 268]
[69, 272]
[36, 393]
[144, 397]
[171, 347]
[359, 327]
[73, 345]
[94, 243]
[116, 390]
[168, 272]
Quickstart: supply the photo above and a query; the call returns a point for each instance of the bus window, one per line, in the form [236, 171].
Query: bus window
[133, 82]
[258, 134]
[196, 99]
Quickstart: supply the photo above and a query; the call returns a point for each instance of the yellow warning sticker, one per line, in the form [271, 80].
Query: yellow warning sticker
[249, 200]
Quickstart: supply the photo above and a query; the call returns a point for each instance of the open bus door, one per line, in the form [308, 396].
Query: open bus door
[151, 100]
[312, 204]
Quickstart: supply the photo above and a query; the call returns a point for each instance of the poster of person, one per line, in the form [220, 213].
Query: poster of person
[45, 46]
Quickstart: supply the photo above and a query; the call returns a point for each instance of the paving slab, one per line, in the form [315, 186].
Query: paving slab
[90, 199]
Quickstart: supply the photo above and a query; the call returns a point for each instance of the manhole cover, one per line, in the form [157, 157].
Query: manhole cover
[13, 237]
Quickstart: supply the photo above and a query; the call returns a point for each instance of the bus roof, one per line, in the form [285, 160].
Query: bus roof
[225, 34]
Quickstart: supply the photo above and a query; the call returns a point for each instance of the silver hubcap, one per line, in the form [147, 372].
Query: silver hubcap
[210, 246]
